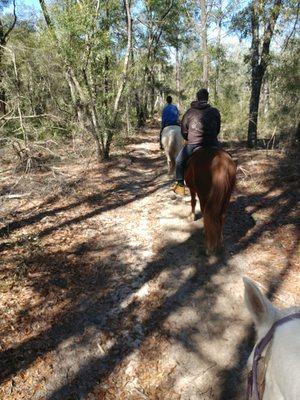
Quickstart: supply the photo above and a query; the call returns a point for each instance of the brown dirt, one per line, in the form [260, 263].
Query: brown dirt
[105, 290]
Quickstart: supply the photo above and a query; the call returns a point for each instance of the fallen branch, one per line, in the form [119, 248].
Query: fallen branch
[31, 116]
[244, 171]
[7, 114]
[58, 172]
[15, 196]
[5, 37]
[35, 145]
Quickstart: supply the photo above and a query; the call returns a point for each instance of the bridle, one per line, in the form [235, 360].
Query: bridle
[252, 385]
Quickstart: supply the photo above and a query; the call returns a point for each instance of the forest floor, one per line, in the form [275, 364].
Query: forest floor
[105, 289]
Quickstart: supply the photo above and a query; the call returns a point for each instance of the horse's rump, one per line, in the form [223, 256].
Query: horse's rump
[208, 169]
[171, 137]
[210, 173]
[172, 142]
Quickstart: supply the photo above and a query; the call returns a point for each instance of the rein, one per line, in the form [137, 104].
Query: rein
[252, 386]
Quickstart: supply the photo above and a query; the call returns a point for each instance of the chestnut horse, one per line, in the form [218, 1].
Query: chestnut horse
[210, 173]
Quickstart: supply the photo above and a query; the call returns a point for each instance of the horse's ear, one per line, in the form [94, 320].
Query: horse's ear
[258, 305]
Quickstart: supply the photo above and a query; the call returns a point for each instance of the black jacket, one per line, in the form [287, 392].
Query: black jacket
[201, 124]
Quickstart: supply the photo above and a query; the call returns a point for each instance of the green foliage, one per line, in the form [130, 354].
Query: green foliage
[284, 82]
[89, 38]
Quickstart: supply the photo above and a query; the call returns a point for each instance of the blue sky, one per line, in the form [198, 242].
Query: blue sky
[20, 4]
[32, 3]
[25, 6]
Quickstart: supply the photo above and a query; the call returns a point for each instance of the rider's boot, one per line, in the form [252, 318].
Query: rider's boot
[179, 188]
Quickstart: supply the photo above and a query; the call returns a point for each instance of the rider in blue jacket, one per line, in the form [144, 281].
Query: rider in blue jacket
[170, 116]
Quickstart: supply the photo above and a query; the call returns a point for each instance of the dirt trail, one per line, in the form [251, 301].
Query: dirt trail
[118, 300]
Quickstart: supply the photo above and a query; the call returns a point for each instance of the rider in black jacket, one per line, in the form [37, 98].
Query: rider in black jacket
[200, 127]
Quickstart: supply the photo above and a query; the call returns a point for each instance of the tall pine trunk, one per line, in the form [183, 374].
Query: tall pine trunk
[256, 76]
[204, 45]
[259, 61]
[2, 90]
[256, 83]
[4, 35]
[177, 73]
[218, 55]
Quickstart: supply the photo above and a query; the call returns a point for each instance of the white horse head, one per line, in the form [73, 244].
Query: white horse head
[172, 142]
[282, 370]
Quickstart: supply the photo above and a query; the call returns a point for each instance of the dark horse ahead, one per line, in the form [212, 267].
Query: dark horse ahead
[211, 174]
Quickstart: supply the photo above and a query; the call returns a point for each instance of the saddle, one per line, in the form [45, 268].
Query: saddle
[198, 149]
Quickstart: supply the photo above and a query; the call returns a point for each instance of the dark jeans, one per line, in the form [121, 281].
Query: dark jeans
[182, 158]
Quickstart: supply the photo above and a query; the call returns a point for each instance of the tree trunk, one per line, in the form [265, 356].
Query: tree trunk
[256, 76]
[259, 62]
[205, 73]
[75, 101]
[152, 94]
[142, 97]
[68, 71]
[2, 100]
[3, 40]
[266, 97]
[143, 107]
[177, 73]
[218, 56]
[123, 80]
[2, 90]
[128, 124]
[138, 110]
[83, 106]
[256, 84]
[106, 62]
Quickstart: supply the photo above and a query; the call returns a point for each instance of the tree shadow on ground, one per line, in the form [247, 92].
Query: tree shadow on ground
[101, 300]
[91, 298]
[130, 185]
[82, 313]
[95, 309]
[285, 176]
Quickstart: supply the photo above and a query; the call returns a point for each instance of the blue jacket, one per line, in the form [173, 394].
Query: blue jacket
[170, 115]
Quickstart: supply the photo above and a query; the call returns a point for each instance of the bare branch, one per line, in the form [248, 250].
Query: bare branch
[157, 35]
[31, 116]
[167, 11]
[269, 30]
[294, 28]
[46, 14]
[5, 37]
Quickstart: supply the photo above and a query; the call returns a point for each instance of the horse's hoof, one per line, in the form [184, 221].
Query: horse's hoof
[192, 217]
[214, 252]
[209, 252]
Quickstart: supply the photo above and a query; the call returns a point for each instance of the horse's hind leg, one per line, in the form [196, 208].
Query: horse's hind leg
[169, 165]
[202, 201]
[213, 233]
[172, 167]
[193, 205]
[222, 217]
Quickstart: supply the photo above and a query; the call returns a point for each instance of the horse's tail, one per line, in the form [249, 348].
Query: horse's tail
[172, 142]
[222, 183]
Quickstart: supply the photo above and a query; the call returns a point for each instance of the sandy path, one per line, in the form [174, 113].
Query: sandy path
[167, 322]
